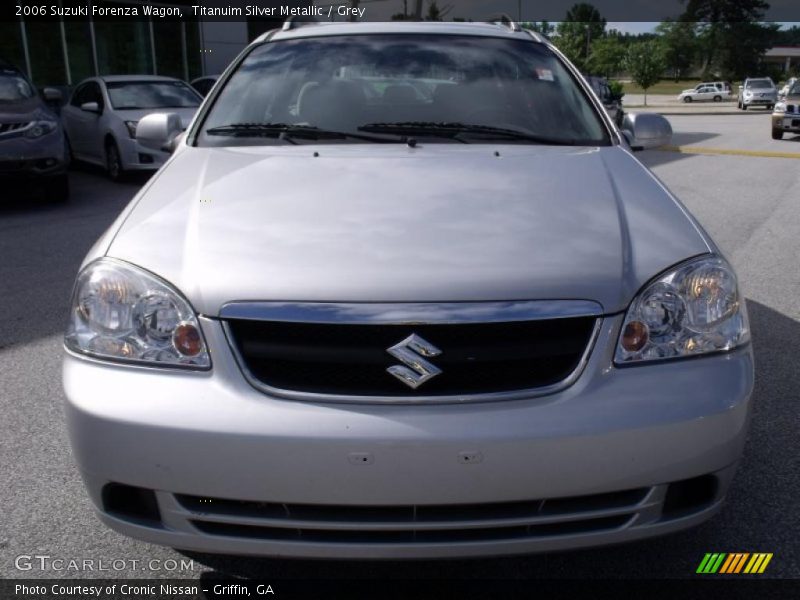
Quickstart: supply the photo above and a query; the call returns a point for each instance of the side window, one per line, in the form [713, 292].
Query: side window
[93, 93]
[78, 95]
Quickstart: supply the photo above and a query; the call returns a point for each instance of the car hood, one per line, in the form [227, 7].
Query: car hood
[186, 114]
[389, 223]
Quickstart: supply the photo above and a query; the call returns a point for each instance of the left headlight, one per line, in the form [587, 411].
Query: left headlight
[121, 312]
[693, 309]
[40, 128]
[780, 107]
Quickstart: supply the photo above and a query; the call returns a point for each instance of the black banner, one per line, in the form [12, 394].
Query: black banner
[363, 10]
[209, 587]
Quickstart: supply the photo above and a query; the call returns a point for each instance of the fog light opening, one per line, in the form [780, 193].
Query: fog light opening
[131, 503]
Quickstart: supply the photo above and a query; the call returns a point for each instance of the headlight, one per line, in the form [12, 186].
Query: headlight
[131, 125]
[748, 93]
[121, 312]
[693, 309]
[40, 128]
[780, 107]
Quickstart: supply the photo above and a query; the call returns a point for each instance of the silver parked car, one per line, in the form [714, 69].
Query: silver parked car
[350, 321]
[101, 116]
[757, 91]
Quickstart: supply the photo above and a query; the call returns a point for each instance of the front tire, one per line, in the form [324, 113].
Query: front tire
[114, 162]
[744, 106]
[687, 99]
[777, 134]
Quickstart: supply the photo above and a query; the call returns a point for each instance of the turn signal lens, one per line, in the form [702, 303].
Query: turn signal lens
[634, 336]
[187, 340]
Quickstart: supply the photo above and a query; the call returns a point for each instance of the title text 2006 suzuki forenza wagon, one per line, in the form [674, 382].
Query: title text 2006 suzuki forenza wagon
[403, 290]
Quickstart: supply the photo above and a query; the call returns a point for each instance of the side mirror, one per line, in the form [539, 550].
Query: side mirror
[52, 95]
[92, 107]
[159, 131]
[646, 130]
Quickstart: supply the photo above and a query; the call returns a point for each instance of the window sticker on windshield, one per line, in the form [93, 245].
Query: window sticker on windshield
[545, 74]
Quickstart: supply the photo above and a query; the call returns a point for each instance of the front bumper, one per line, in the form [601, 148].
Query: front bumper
[136, 157]
[409, 481]
[24, 159]
[760, 101]
[787, 122]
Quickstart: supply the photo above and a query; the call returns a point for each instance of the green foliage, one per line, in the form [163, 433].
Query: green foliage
[543, 27]
[645, 64]
[581, 26]
[680, 45]
[607, 56]
[733, 38]
[616, 89]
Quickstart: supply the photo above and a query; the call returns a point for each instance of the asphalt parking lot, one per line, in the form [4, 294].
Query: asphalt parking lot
[749, 204]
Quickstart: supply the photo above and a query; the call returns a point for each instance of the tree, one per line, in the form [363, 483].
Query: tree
[543, 27]
[581, 26]
[679, 44]
[607, 56]
[733, 36]
[435, 13]
[645, 64]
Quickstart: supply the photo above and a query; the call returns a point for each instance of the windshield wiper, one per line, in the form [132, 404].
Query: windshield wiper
[452, 130]
[287, 132]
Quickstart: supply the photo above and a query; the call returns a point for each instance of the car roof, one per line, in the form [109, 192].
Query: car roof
[124, 78]
[495, 29]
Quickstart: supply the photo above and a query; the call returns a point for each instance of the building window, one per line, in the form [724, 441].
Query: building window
[46, 53]
[79, 50]
[11, 44]
[169, 48]
[123, 47]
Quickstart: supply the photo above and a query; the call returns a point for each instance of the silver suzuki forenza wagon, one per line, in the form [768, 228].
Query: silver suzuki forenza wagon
[403, 290]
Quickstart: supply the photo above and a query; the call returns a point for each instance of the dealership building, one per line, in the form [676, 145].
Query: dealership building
[62, 52]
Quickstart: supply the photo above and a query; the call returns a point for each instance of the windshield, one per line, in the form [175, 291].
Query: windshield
[388, 84]
[759, 84]
[151, 94]
[14, 87]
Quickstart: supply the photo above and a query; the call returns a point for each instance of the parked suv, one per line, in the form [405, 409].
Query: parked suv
[786, 115]
[403, 290]
[32, 145]
[759, 91]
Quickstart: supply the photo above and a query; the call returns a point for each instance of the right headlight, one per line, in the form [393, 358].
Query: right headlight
[693, 309]
[123, 313]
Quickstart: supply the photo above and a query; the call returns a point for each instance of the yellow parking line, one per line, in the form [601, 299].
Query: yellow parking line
[704, 150]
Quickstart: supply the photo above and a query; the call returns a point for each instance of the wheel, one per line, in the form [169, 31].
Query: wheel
[114, 162]
[717, 98]
[687, 99]
[57, 190]
[777, 134]
[770, 106]
[744, 106]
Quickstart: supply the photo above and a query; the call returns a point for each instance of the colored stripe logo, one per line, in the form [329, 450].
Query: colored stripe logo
[734, 563]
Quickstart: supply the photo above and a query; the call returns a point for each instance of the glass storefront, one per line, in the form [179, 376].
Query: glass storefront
[64, 53]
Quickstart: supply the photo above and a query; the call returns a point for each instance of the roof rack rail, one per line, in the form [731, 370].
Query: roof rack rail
[297, 22]
[505, 20]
